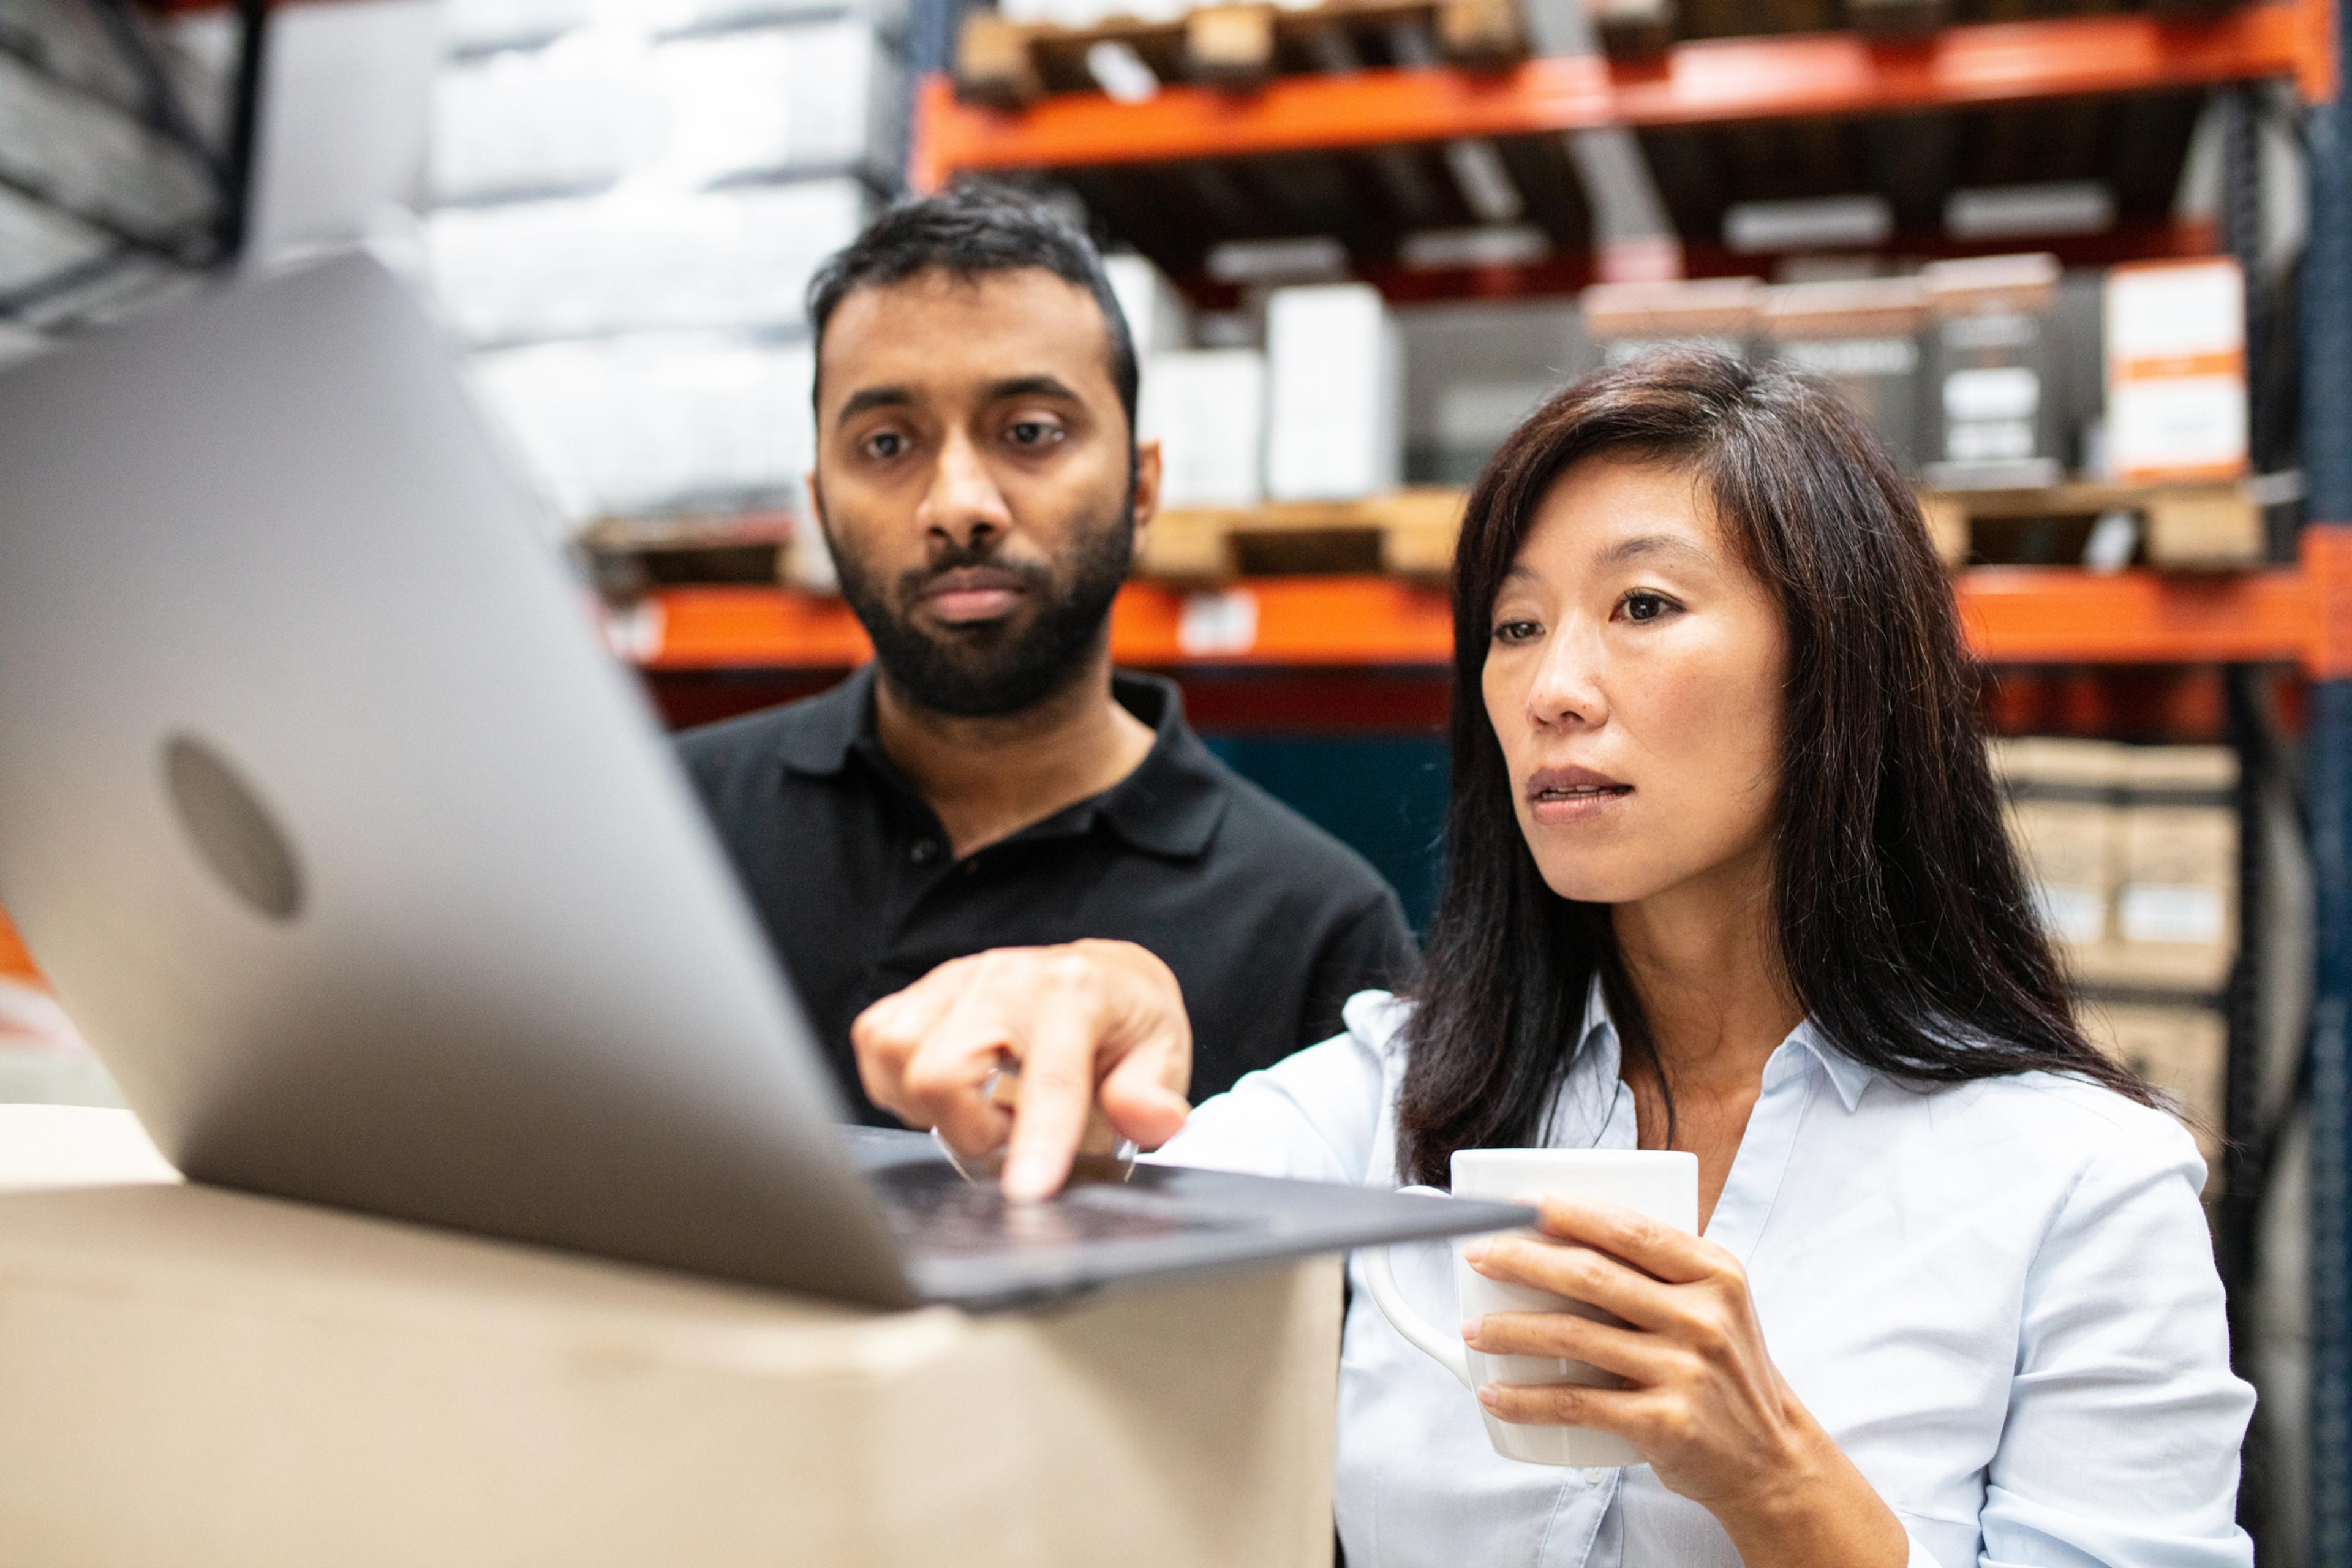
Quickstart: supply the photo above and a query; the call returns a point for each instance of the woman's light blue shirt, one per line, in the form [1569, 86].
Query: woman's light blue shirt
[1999, 1297]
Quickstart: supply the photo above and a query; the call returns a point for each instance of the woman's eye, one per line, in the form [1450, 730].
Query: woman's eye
[1643, 607]
[1516, 631]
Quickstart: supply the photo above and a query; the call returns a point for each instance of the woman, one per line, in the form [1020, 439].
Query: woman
[1727, 874]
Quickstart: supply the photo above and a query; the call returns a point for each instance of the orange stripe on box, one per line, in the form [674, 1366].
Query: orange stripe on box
[2165, 367]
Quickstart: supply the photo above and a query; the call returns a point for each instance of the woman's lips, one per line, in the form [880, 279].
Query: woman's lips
[1558, 796]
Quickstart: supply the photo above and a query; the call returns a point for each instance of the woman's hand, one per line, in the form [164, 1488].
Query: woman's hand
[1702, 1399]
[1087, 1022]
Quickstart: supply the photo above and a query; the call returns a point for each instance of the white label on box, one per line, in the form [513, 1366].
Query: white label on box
[2162, 911]
[2175, 311]
[2076, 914]
[1218, 623]
[2000, 391]
[2195, 422]
[1989, 441]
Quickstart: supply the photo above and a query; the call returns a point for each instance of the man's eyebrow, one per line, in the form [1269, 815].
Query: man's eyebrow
[868, 397]
[1031, 387]
[1644, 545]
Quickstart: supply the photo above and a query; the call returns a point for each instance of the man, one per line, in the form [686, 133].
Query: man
[989, 781]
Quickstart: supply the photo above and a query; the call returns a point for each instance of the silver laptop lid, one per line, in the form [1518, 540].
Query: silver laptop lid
[359, 861]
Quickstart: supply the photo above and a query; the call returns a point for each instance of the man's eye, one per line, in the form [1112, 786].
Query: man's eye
[884, 444]
[1033, 433]
[1642, 606]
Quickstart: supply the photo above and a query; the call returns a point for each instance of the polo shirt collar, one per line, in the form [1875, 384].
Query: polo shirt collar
[1847, 1076]
[1171, 804]
[831, 724]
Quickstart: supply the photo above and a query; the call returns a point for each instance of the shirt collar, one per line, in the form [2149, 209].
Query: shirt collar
[1847, 1076]
[1171, 804]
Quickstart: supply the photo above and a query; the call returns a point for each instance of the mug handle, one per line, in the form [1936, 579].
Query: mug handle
[1446, 1350]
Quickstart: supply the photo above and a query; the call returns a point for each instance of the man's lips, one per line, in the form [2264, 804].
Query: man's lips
[1563, 795]
[972, 593]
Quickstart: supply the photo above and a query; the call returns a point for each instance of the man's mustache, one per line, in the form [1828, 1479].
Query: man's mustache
[914, 584]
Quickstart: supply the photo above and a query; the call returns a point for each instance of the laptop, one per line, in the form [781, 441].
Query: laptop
[369, 874]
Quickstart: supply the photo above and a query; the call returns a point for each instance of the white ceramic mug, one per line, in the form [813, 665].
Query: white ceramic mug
[1661, 1183]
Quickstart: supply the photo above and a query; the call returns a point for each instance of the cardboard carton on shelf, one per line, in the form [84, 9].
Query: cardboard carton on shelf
[2175, 336]
[2183, 1051]
[2062, 817]
[2176, 925]
[1335, 394]
[1629, 319]
[1206, 408]
[214, 1380]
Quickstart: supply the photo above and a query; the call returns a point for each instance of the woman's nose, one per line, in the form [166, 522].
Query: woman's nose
[1566, 688]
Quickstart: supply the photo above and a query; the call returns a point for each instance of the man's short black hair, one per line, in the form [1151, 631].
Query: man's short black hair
[969, 230]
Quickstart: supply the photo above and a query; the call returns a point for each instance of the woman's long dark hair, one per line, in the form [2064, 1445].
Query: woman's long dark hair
[1903, 917]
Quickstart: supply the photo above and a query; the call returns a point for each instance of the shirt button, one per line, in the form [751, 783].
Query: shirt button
[925, 852]
[971, 866]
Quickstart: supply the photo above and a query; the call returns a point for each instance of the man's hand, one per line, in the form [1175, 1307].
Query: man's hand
[1089, 1022]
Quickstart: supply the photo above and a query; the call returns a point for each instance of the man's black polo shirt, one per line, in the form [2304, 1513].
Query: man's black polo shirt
[1269, 922]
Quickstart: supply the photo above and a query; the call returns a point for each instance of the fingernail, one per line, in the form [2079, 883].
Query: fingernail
[1470, 1330]
[1490, 1396]
[1025, 1181]
[1475, 1253]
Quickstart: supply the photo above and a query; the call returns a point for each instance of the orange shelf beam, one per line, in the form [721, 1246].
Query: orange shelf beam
[2012, 615]
[1710, 81]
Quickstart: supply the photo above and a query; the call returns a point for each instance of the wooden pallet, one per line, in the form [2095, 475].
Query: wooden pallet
[630, 557]
[1635, 29]
[1408, 534]
[2188, 527]
[1010, 64]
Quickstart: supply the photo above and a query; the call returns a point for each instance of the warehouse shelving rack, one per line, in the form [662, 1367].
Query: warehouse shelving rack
[1318, 637]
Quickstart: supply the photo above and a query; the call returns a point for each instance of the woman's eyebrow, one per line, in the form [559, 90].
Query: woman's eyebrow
[1650, 546]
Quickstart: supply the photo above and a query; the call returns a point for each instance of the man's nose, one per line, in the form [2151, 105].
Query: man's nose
[963, 505]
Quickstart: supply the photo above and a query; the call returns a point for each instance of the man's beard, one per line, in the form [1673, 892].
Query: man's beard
[995, 668]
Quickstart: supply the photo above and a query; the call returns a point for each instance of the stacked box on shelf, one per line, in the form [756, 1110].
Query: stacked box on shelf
[2134, 855]
[1335, 422]
[1861, 336]
[1996, 410]
[630, 206]
[1628, 320]
[1204, 408]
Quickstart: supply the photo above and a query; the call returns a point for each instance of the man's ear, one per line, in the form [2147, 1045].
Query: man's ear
[1147, 484]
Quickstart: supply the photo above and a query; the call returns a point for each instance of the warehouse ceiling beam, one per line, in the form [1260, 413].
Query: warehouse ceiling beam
[1706, 82]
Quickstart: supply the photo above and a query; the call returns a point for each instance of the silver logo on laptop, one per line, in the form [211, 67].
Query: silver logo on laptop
[231, 829]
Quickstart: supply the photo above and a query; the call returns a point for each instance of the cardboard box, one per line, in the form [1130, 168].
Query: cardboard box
[1997, 402]
[2177, 893]
[210, 1380]
[1335, 418]
[1206, 408]
[1158, 318]
[2062, 817]
[1629, 319]
[2184, 1051]
[2176, 370]
[1863, 337]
